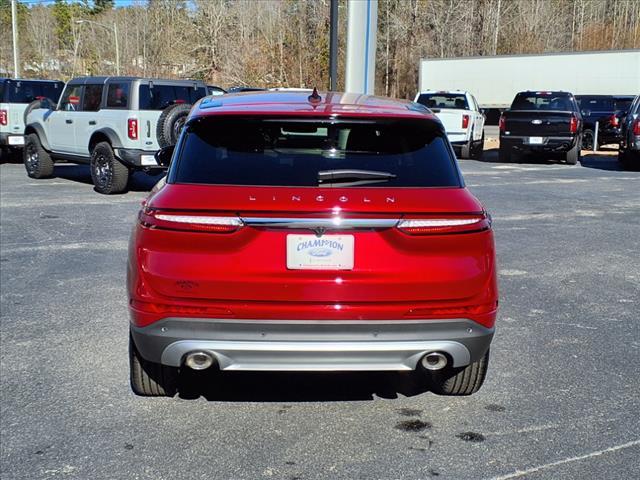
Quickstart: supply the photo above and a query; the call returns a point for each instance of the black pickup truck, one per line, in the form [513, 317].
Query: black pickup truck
[541, 122]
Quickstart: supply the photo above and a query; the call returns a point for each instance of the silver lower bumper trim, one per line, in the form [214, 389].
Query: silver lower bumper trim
[316, 356]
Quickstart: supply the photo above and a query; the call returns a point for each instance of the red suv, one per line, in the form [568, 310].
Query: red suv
[301, 232]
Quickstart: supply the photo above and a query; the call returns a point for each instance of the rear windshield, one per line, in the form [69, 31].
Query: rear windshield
[596, 104]
[444, 100]
[25, 91]
[623, 104]
[543, 101]
[303, 153]
[160, 97]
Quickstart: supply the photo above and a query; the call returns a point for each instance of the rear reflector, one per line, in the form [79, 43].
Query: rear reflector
[180, 221]
[465, 121]
[4, 119]
[439, 225]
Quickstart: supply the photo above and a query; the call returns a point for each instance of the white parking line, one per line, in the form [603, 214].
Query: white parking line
[522, 473]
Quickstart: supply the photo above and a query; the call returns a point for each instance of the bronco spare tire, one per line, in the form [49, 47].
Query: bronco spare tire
[170, 123]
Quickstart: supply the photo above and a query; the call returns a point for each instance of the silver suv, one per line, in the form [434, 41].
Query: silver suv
[115, 124]
[17, 98]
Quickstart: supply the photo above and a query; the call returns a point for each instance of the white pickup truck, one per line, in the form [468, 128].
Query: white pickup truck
[462, 119]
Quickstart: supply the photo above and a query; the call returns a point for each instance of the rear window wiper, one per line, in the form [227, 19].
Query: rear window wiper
[348, 177]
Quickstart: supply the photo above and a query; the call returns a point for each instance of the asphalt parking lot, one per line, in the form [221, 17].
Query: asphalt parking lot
[561, 400]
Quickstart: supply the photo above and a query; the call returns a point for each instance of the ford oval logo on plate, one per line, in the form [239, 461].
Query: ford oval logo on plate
[320, 252]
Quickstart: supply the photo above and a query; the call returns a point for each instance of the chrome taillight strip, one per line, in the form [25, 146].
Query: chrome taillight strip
[335, 223]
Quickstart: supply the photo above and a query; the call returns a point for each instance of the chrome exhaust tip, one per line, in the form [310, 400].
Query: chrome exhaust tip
[434, 361]
[198, 360]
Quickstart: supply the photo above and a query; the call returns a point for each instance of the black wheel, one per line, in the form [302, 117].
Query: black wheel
[108, 174]
[170, 124]
[150, 379]
[573, 155]
[460, 381]
[504, 154]
[478, 149]
[37, 160]
[625, 157]
[467, 148]
[587, 139]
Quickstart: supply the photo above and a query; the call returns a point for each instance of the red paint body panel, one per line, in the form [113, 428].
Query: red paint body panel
[244, 274]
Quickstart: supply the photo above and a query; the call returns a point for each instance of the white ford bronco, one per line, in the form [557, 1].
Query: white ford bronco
[17, 98]
[462, 119]
[115, 124]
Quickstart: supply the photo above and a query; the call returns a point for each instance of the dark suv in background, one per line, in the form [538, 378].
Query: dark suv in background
[607, 111]
[629, 152]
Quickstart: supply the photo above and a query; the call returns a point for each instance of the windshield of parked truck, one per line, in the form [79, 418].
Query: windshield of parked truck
[456, 101]
[26, 91]
[557, 101]
[302, 153]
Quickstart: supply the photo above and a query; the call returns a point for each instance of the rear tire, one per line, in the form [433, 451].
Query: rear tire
[478, 149]
[108, 174]
[467, 149]
[37, 160]
[461, 381]
[587, 139]
[150, 379]
[504, 154]
[170, 123]
[573, 155]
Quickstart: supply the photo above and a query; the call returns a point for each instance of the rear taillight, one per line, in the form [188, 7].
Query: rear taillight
[132, 128]
[168, 220]
[614, 121]
[445, 225]
[502, 124]
[636, 126]
[573, 124]
[4, 118]
[465, 121]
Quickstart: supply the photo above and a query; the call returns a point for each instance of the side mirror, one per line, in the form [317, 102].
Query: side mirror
[586, 113]
[163, 156]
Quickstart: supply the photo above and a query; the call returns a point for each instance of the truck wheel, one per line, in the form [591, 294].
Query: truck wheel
[37, 160]
[587, 140]
[170, 123]
[108, 174]
[504, 154]
[467, 148]
[150, 379]
[478, 150]
[461, 381]
[573, 155]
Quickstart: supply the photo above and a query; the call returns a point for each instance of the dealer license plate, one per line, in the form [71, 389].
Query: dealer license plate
[328, 252]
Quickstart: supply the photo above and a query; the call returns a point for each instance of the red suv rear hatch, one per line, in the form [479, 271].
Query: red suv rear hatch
[208, 245]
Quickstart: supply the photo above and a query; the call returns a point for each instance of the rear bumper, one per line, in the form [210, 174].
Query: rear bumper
[306, 345]
[138, 158]
[549, 144]
[11, 140]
